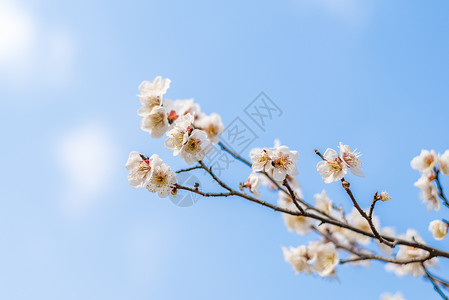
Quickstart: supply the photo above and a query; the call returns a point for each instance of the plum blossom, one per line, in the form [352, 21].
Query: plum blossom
[283, 162]
[332, 168]
[358, 221]
[443, 161]
[425, 161]
[261, 159]
[439, 229]
[351, 158]
[300, 224]
[389, 232]
[384, 196]
[325, 258]
[323, 202]
[429, 191]
[140, 168]
[317, 257]
[178, 108]
[212, 125]
[388, 296]
[161, 181]
[151, 94]
[407, 253]
[156, 122]
[195, 147]
[299, 258]
[179, 133]
[253, 183]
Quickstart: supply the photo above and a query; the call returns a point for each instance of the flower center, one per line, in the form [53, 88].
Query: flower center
[282, 161]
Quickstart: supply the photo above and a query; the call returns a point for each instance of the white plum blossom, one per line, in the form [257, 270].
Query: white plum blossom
[300, 224]
[286, 201]
[140, 168]
[390, 232]
[179, 133]
[439, 229]
[156, 122]
[151, 94]
[425, 161]
[407, 253]
[332, 168]
[358, 221]
[195, 147]
[317, 257]
[212, 125]
[161, 181]
[388, 296]
[298, 258]
[443, 161]
[351, 158]
[253, 183]
[179, 108]
[283, 162]
[261, 159]
[429, 191]
[384, 196]
[325, 258]
[323, 202]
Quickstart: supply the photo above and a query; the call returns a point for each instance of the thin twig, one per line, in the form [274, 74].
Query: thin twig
[440, 188]
[434, 283]
[188, 169]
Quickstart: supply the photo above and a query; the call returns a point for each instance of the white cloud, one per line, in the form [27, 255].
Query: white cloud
[88, 158]
[32, 50]
[17, 33]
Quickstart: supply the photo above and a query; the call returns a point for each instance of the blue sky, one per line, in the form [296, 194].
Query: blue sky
[372, 74]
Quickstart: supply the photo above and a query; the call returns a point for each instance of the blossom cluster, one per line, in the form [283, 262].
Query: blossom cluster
[428, 163]
[334, 167]
[191, 133]
[408, 253]
[319, 257]
[150, 172]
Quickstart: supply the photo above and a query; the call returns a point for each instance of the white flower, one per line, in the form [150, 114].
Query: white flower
[161, 180]
[358, 221]
[140, 168]
[322, 202]
[300, 224]
[261, 159]
[253, 183]
[179, 133]
[332, 168]
[388, 296]
[212, 125]
[298, 258]
[325, 258]
[438, 229]
[429, 191]
[195, 147]
[151, 94]
[182, 107]
[444, 162]
[426, 161]
[407, 253]
[351, 158]
[283, 162]
[156, 123]
[384, 196]
[390, 232]
[286, 201]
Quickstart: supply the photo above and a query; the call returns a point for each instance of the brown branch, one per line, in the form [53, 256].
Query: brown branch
[188, 169]
[293, 195]
[440, 188]
[434, 283]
